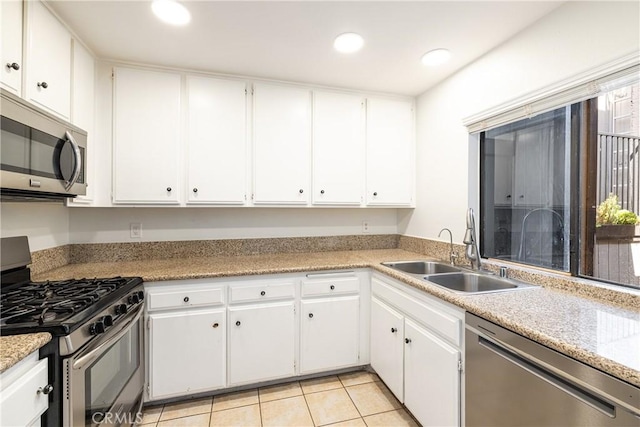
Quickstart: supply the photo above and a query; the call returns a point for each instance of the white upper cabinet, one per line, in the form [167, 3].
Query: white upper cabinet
[48, 77]
[217, 142]
[82, 114]
[11, 53]
[390, 152]
[338, 148]
[146, 136]
[281, 144]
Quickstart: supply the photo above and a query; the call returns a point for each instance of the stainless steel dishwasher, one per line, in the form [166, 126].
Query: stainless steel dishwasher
[513, 381]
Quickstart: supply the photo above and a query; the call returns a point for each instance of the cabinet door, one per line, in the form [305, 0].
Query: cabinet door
[186, 352]
[390, 152]
[83, 109]
[20, 402]
[532, 160]
[11, 53]
[261, 342]
[217, 128]
[146, 139]
[329, 333]
[48, 81]
[338, 148]
[387, 334]
[431, 369]
[281, 144]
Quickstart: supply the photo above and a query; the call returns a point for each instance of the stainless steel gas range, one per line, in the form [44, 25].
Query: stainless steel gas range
[96, 361]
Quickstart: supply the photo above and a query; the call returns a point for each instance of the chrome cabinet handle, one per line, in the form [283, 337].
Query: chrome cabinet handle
[301, 191]
[186, 299]
[43, 85]
[45, 390]
[394, 330]
[310, 315]
[169, 189]
[321, 191]
[13, 65]
[215, 325]
[332, 287]
[78, 160]
[238, 323]
[375, 193]
[407, 340]
[195, 190]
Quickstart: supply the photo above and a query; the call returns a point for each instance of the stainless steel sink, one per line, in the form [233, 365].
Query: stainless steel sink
[422, 267]
[474, 283]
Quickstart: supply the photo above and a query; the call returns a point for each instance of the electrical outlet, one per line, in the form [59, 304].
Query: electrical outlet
[365, 227]
[135, 230]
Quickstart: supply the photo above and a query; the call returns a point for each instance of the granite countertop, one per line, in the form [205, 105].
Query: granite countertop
[597, 333]
[14, 348]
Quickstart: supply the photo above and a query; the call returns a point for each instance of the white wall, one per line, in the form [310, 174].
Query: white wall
[46, 224]
[576, 37]
[106, 225]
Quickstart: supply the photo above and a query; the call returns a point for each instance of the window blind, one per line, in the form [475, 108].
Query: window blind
[623, 72]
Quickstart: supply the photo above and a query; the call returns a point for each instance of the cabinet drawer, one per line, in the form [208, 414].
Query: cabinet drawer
[262, 292]
[445, 324]
[20, 402]
[341, 285]
[160, 299]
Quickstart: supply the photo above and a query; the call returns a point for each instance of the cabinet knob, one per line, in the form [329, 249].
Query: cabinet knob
[321, 191]
[43, 85]
[13, 65]
[332, 287]
[310, 315]
[394, 330]
[263, 293]
[186, 299]
[375, 193]
[522, 196]
[301, 191]
[215, 325]
[46, 389]
[169, 189]
[407, 340]
[238, 323]
[195, 190]
[508, 196]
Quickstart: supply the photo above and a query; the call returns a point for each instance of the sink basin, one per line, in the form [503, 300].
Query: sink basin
[422, 267]
[475, 283]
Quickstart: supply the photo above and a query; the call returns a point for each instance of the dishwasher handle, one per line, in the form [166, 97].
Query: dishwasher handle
[551, 378]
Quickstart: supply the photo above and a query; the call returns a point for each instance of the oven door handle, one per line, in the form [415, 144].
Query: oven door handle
[78, 161]
[93, 354]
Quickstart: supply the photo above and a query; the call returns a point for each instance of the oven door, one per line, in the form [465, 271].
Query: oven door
[105, 381]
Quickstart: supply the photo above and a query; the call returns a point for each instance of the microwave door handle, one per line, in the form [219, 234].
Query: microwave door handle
[78, 161]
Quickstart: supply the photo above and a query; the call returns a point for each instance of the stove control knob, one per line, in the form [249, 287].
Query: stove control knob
[96, 328]
[121, 309]
[133, 298]
[140, 295]
[107, 320]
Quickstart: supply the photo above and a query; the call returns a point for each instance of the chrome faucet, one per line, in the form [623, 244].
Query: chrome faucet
[452, 254]
[470, 239]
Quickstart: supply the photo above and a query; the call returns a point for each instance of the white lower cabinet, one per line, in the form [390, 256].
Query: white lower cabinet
[431, 369]
[211, 334]
[186, 338]
[188, 352]
[329, 333]
[387, 350]
[22, 394]
[261, 342]
[416, 350]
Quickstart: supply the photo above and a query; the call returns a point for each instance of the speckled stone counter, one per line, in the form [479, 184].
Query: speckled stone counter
[599, 333]
[14, 348]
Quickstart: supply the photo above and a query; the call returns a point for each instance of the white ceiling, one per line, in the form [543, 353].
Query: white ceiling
[293, 40]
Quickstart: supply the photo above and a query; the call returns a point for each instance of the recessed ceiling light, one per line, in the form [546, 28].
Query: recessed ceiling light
[348, 42]
[436, 57]
[171, 12]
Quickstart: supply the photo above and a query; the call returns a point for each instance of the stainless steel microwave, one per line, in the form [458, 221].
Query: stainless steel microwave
[41, 156]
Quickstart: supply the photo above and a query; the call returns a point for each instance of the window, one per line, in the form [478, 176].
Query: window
[542, 178]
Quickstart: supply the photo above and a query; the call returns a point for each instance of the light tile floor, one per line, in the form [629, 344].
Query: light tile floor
[354, 399]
